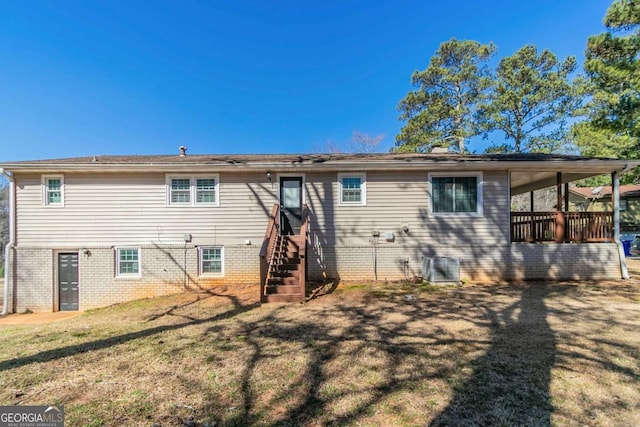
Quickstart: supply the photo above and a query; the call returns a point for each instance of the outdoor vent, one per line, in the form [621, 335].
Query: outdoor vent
[441, 269]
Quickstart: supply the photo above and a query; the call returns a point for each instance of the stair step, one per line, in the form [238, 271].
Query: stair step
[280, 281]
[286, 273]
[286, 267]
[290, 254]
[283, 298]
[282, 289]
[285, 283]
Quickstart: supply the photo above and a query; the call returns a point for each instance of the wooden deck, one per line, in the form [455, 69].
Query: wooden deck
[562, 227]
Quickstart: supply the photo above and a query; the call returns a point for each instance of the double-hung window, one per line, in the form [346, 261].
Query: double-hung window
[206, 190]
[456, 194]
[189, 190]
[180, 191]
[352, 189]
[127, 262]
[53, 190]
[211, 260]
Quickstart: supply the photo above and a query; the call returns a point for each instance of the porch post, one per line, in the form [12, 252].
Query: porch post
[560, 226]
[566, 197]
[559, 191]
[531, 201]
[533, 237]
[615, 205]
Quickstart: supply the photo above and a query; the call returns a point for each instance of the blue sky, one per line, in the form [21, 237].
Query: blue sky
[144, 77]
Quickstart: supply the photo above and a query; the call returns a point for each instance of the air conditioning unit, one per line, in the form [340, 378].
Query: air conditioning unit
[441, 269]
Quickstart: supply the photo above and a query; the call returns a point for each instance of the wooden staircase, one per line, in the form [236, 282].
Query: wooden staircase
[283, 263]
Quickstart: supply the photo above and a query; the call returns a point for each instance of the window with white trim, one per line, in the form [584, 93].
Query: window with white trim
[180, 189]
[352, 189]
[189, 190]
[127, 262]
[53, 190]
[211, 260]
[456, 194]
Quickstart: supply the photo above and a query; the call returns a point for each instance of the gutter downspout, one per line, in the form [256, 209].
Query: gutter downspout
[12, 238]
[615, 201]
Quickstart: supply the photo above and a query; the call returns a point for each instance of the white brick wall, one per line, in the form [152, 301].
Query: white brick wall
[163, 268]
[477, 263]
[162, 272]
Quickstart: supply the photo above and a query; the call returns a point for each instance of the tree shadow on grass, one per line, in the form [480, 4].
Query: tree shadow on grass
[510, 383]
[238, 307]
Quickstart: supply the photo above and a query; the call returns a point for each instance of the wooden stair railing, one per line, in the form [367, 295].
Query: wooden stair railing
[283, 262]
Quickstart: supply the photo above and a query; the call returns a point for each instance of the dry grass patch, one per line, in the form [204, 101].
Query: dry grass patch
[382, 354]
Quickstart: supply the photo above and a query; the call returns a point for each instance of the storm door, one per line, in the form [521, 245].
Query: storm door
[290, 204]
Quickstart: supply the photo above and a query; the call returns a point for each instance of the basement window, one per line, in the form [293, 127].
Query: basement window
[127, 262]
[211, 260]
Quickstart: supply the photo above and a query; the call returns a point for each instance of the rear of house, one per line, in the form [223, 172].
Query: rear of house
[90, 232]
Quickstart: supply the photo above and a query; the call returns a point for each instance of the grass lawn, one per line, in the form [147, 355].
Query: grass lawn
[376, 355]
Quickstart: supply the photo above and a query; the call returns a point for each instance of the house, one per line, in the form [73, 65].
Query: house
[93, 231]
[598, 199]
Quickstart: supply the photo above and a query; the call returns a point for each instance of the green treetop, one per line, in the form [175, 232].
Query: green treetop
[530, 100]
[442, 107]
[612, 65]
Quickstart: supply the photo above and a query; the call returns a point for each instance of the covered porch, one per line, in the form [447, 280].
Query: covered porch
[563, 225]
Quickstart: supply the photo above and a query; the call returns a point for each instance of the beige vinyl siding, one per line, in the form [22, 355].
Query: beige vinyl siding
[131, 209]
[397, 198]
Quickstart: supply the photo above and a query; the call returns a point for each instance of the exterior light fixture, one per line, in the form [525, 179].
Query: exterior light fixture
[269, 177]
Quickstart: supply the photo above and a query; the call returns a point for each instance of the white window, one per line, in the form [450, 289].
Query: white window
[211, 260]
[127, 262]
[180, 189]
[53, 190]
[456, 194]
[352, 189]
[189, 190]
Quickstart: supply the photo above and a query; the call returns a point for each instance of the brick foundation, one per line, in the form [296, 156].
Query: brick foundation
[171, 269]
[163, 272]
[477, 263]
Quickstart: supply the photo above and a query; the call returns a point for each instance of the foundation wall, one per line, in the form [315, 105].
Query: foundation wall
[172, 269]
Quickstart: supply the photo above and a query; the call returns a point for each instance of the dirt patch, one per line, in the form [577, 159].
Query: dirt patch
[382, 354]
[36, 318]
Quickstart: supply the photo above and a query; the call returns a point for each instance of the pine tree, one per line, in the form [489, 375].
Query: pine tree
[442, 107]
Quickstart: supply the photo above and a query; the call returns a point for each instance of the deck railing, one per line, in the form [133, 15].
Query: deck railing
[273, 240]
[304, 239]
[561, 227]
[268, 245]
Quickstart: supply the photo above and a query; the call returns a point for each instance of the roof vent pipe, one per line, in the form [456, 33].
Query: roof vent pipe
[183, 151]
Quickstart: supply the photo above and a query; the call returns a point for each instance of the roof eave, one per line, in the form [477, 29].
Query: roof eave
[586, 165]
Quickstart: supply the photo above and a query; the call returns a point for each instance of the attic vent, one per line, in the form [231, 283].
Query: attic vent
[441, 269]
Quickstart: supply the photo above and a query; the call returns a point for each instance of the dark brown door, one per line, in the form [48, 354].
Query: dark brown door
[290, 204]
[68, 281]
